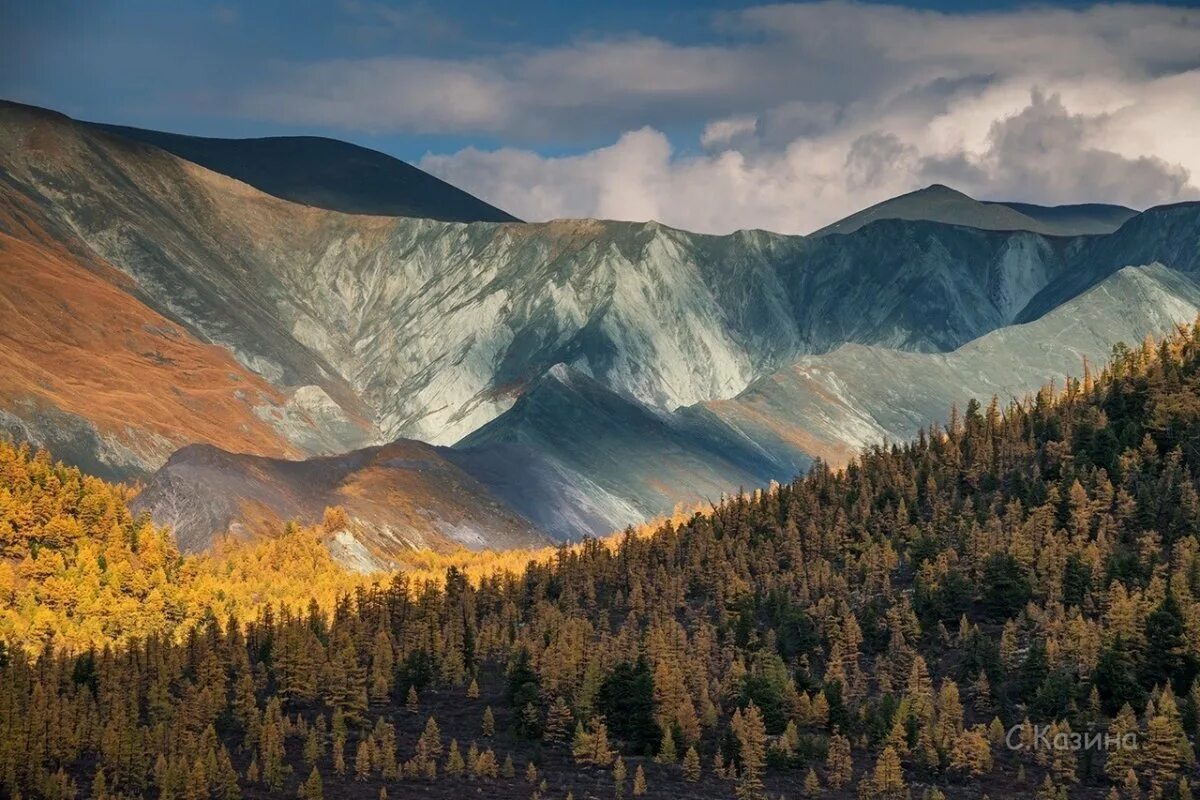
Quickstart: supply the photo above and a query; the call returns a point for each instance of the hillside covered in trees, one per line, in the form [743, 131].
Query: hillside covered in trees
[869, 632]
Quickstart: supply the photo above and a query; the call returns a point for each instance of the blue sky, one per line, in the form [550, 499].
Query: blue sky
[164, 65]
[532, 103]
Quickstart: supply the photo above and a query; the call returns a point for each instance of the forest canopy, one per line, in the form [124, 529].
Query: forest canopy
[857, 632]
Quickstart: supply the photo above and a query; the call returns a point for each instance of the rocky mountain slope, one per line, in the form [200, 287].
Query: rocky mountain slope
[103, 380]
[374, 328]
[589, 374]
[624, 461]
[620, 460]
[833, 405]
[1167, 234]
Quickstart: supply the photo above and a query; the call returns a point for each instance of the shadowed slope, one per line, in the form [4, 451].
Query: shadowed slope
[397, 497]
[325, 173]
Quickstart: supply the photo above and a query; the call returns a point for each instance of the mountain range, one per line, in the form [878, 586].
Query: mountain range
[205, 315]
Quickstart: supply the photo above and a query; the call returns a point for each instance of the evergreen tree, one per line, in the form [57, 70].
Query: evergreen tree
[691, 765]
[558, 721]
[362, 760]
[312, 788]
[971, 752]
[839, 767]
[339, 755]
[454, 760]
[1120, 759]
[666, 749]
[812, 784]
[751, 735]
[485, 765]
[887, 781]
[619, 774]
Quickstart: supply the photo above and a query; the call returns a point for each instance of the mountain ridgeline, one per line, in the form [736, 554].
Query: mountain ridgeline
[324, 173]
[939, 203]
[579, 375]
[912, 622]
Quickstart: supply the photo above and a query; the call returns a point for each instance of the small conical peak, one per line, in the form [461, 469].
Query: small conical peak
[941, 190]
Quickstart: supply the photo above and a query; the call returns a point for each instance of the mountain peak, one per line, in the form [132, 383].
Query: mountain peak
[940, 189]
[944, 204]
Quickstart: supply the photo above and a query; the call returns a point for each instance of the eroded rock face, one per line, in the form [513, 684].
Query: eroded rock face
[834, 404]
[374, 328]
[592, 373]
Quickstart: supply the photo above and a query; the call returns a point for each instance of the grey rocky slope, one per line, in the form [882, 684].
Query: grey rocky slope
[616, 456]
[623, 462]
[1166, 234]
[834, 404]
[591, 372]
[379, 328]
[572, 458]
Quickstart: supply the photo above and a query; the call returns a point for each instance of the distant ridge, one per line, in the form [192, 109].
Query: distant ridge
[938, 203]
[1084, 218]
[324, 173]
[397, 497]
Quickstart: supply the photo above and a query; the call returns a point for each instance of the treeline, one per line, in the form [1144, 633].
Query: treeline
[77, 568]
[949, 616]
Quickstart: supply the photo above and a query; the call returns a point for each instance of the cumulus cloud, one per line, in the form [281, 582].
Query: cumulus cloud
[1044, 151]
[724, 132]
[805, 112]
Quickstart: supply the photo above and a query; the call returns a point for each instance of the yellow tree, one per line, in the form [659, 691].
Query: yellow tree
[751, 734]
[971, 753]
[839, 766]
[887, 780]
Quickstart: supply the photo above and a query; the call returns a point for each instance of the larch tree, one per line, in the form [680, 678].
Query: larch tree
[839, 765]
[639, 781]
[489, 722]
[887, 780]
[751, 734]
[691, 765]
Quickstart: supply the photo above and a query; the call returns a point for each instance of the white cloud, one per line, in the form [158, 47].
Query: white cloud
[724, 132]
[806, 112]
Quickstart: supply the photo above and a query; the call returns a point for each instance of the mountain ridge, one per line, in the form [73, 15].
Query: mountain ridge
[940, 203]
[397, 497]
[325, 173]
[634, 344]
[381, 328]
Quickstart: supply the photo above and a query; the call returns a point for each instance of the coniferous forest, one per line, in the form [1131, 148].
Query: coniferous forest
[1007, 606]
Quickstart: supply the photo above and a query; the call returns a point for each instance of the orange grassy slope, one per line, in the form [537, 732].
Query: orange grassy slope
[73, 342]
